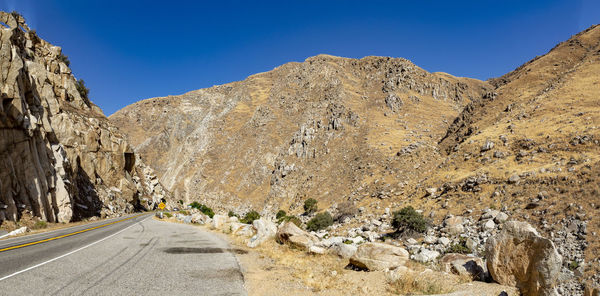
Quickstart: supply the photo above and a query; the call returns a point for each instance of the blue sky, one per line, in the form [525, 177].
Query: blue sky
[127, 51]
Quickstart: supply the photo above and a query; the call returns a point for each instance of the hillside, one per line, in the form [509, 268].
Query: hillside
[383, 133]
[330, 128]
[61, 160]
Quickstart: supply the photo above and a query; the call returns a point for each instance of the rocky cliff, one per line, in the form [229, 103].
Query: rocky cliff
[60, 158]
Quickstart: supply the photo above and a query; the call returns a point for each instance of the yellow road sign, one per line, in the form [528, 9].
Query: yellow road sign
[162, 205]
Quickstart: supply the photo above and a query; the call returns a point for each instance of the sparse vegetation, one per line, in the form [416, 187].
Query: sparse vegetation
[168, 215]
[320, 221]
[65, 59]
[232, 214]
[202, 208]
[40, 225]
[460, 247]
[573, 265]
[280, 214]
[184, 212]
[292, 219]
[83, 91]
[407, 220]
[310, 206]
[250, 217]
[180, 202]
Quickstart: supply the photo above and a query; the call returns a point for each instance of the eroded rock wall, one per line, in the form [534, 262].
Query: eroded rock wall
[60, 158]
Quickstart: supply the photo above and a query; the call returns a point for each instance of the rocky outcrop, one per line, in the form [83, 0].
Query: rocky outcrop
[520, 257]
[265, 230]
[60, 158]
[379, 256]
[292, 235]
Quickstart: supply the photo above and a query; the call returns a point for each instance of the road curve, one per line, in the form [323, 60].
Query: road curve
[134, 255]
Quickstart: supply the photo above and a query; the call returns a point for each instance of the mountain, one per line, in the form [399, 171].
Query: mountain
[328, 128]
[61, 160]
[381, 132]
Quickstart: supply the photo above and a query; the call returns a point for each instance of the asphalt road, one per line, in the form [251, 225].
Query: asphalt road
[137, 256]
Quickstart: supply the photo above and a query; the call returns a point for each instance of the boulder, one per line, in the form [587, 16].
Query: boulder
[426, 255]
[465, 265]
[379, 256]
[199, 218]
[453, 225]
[343, 250]
[187, 219]
[520, 257]
[501, 218]
[218, 221]
[244, 231]
[292, 235]
[317, 250]
[265, 229]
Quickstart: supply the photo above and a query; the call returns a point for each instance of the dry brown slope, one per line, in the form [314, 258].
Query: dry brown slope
[325, 128]
[544, 124]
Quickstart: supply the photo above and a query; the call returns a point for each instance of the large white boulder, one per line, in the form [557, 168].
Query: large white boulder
[292, 235]
[265, 229]
[520, 257]
[379, 256]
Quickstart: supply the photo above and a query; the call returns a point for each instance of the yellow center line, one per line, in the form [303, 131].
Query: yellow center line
[69, 234]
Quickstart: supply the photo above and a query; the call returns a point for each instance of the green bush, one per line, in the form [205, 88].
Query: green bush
[407, 219]
[40, 225]
[184, 212]
[202, 208]
[320, 221]
[168, 215]
[460, 247]
[232, 214]
[280, 214]
[180, 202]
[292, 219]
[83, 91]
[310, 206]
[250, 217]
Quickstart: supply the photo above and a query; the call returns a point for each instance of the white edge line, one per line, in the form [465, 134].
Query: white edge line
[74, 251]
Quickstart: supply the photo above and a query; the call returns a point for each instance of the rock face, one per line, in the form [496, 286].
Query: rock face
[60, 158]
[379, 256]
[280, 135]
[520, 257]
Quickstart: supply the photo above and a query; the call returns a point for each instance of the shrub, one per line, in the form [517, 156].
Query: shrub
[232, 214]
[40, 225]
[460, 247]
[250, 217]
[280, 214]
[83, 91]
[310, 206]
[407, 219]
[63, 58]
[180, 202]
[168, 215]
[184, 212]
[292, 219]
[202, 208]
[320, 221]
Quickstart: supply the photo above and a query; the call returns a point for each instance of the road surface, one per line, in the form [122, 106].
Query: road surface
[134, 255]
